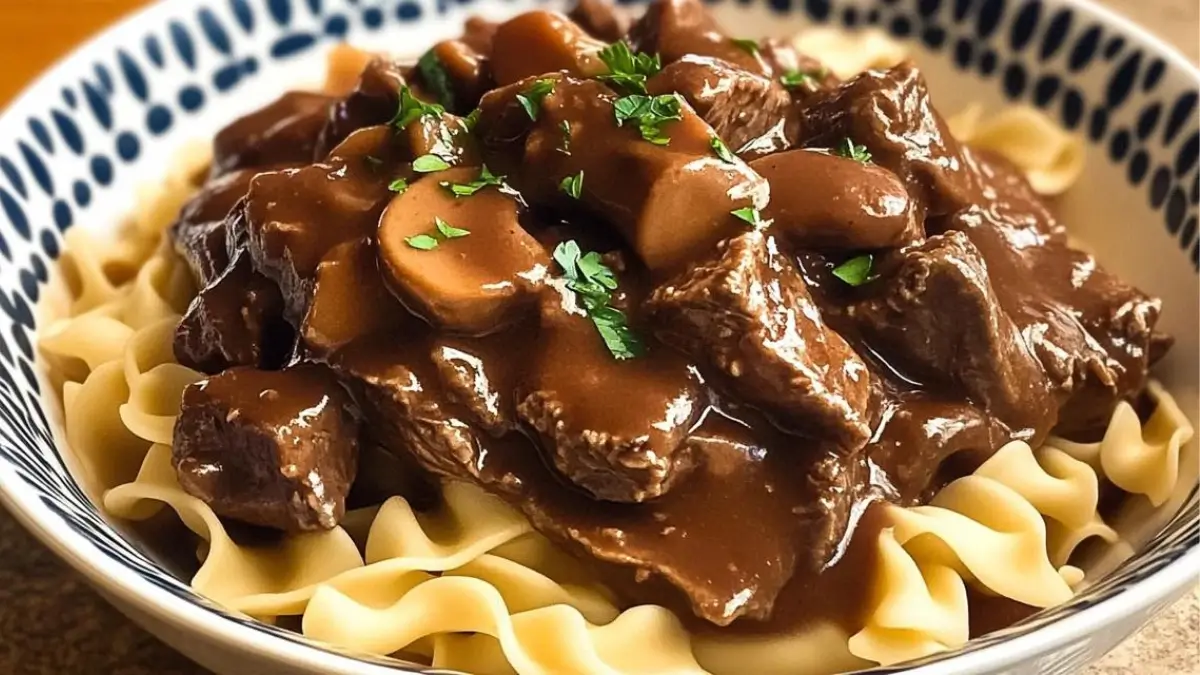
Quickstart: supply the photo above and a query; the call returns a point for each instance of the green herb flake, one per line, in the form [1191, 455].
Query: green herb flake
[531, 99]
[649, 113]
[486, 179]
[565, 148]
[436, 79]
[413, 109]
[429, 164]
[746, 45]
[449, 231]
[748, 214]
[795, 78]
[398, 186]
[471, 120]
[572, 185]
[593, 283]
[722, 151]
[855, 271]
[849, 150]
[628, 70]
[422, 242]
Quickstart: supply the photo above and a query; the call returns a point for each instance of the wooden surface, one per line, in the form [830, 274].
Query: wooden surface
[52, 623]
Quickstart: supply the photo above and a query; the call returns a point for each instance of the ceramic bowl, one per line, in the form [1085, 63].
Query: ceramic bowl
[77, 144]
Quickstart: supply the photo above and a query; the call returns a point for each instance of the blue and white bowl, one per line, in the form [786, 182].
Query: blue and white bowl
[77, 144]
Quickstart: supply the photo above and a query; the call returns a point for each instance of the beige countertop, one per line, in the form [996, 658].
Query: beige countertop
[52, 623]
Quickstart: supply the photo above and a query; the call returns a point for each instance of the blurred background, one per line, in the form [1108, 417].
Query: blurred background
[51, 623]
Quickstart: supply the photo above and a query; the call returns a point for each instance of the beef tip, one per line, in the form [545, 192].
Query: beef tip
[456, 75]
[472, 372]
[540, 42]
[890, 113]
[747, 313]
[835, 483]
[237, 320]
[601, 19]
[374, 101]
[805, 75]
[474, 280]
[199, 233]
[862, 206]
[670, 202]
[349, 302]
[614, 428]
[272, 448]
[674, 29]
[936, 315]
[284, 132]
[740, 106]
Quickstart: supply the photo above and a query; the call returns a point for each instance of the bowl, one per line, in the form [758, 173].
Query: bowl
[75, 147]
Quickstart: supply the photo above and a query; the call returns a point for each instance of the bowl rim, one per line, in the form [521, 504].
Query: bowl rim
[113, 577]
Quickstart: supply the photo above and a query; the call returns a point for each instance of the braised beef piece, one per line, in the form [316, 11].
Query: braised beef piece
[740, 106]
[933, 312]
[862, 205]
[284, 132]
[674, 29]
[541, 42]
[474, 379]
[890, 113]
[374, 101]
[601, 19]
[237, 320]
[669, 206]
[271, 448]
[805, 74]
[199, 233]
[746, 313]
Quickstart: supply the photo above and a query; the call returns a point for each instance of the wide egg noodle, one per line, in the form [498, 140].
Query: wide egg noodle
[1051, 158]
[848, 54]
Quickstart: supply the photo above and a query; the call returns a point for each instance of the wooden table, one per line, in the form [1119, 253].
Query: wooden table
[52, 623]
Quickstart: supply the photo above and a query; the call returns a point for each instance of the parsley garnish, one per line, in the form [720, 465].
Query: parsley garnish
[486, 179]
[441, 230]
[413, 109]
[471, 120]
[572, 185]
[593, 283]
[746, 45]
[855, 271]
[429, 164]
[650, 113]
[398, 186]
[566, 132]
[857, 153]
[531, 100]
[628, 70]
[434, 75]
[795, 78]
[748, 214]
[722, 150]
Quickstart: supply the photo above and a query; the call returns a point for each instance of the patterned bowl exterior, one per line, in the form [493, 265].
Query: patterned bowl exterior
[109, 108]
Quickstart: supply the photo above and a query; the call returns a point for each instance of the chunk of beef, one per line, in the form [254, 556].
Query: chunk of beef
[674, 29]
[614, 428]
[747, 313]
[374, 101]
[473, 374]
[284, 132]
[671, 202]
[890, 112]
[237, 320]
[601, 19]
[475, 280]
[807, 76]
[199, 234]
[935, 314]
[861, 206]
[540, 42]
[271, 448]
[740, 106]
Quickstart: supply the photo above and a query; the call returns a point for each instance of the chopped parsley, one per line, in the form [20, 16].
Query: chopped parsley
[565, 148]
[572, 185]
[436, 79]
[722, 150]
[486, 179]
[431, 240]
[748, 214]
[471, 120]
[746, 45]
[429, 164]
[855, 271]
[796, 78]
[628, 70]
[413, 109]
[593, 283]
[857, 153]
[398, 186]
[649, 113]
[531, 100]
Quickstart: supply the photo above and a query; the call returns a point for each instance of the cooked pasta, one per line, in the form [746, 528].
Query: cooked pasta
[1050, 157]
[847, 54]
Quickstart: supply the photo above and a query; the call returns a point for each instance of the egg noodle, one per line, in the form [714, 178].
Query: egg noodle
[472, 587]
